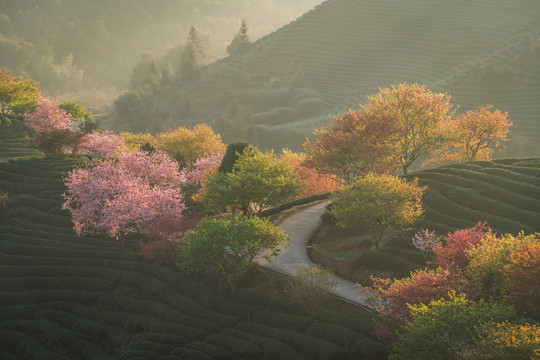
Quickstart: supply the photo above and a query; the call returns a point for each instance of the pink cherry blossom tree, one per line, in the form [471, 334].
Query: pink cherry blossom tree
[202, 167]
[125, 195]
[48, 117]
[101, 143]
[52, 127]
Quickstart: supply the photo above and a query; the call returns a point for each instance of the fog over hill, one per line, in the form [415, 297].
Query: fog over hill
[331, 58]
[80, 45]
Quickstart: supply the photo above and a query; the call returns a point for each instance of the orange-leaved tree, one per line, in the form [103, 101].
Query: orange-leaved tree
[354, 144]
[315, 183]
[420, 115]
[471, 136]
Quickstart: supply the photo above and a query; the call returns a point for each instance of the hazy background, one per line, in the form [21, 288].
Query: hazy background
[88, 45]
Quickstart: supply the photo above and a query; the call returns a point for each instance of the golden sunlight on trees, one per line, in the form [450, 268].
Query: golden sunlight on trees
[187, 145]
[379, 203]
[470, 135]
[257, 182]
[17, 96]
[420, 115]
[354, 144]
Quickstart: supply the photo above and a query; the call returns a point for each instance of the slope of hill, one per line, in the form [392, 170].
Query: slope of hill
[505, 193]
[331, 58]
[69, 297]
[13, 143]
[76, 45]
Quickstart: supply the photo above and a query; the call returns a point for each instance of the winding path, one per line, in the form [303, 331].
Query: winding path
[301, 225]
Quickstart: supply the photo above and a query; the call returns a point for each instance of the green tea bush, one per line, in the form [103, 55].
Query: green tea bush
[237, 347]
[140, 354]
[283, 303]
[191, 354]
[338, 335]
[250, 297]
[385, 261]
[72, 283]
[272, 349]
[296, 323]
[23, 346]
[112, 333]
[215, 352]
[411, 255]
[308, 346]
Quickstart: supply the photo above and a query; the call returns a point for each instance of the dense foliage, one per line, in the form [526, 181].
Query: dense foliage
[378, 203]
[450, 308]
[122, 196]
[258, 182]
[228, 245]
[355, 144]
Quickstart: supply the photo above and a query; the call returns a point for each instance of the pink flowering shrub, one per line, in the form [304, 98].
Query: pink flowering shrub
[451, 253]
[126, 195]
[425, 241]
[101, 143]
[395, 296]
[201, 168]
[48, 117]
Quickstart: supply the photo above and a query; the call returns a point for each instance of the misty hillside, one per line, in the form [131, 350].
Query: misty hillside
[331, 58]
[79, 45]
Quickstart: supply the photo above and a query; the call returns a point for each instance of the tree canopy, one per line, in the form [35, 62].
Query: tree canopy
[420, 115]
[258, 182]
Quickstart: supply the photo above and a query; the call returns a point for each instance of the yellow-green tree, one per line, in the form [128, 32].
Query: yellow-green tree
[420, 116]
[135, 141]
[257, 182]
[188, 145]
[378, 203]
[17, 95]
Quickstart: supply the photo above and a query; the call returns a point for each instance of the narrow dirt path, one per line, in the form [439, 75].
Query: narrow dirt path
[301, 225]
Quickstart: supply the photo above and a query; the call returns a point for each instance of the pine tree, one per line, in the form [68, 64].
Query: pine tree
[240, 43]
[144, 73]
[189, 67]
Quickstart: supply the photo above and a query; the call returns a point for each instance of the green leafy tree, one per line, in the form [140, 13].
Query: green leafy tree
[258, 182]
[447, 329]
[79, 115]
[378, 203]
[240, 43]
[229, 245]
[17, 95]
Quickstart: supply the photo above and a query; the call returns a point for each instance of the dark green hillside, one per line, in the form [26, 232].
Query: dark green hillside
[505, 193]
[69, 297]
[13, 144]
[331, 58]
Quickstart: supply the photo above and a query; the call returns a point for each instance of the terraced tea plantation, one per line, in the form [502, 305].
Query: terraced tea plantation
[13, 143]
[505, 193]
[331, 58]
[69, 297]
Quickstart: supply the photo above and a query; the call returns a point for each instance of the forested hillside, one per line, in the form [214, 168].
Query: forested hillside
[81, 45]
[331, 58]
